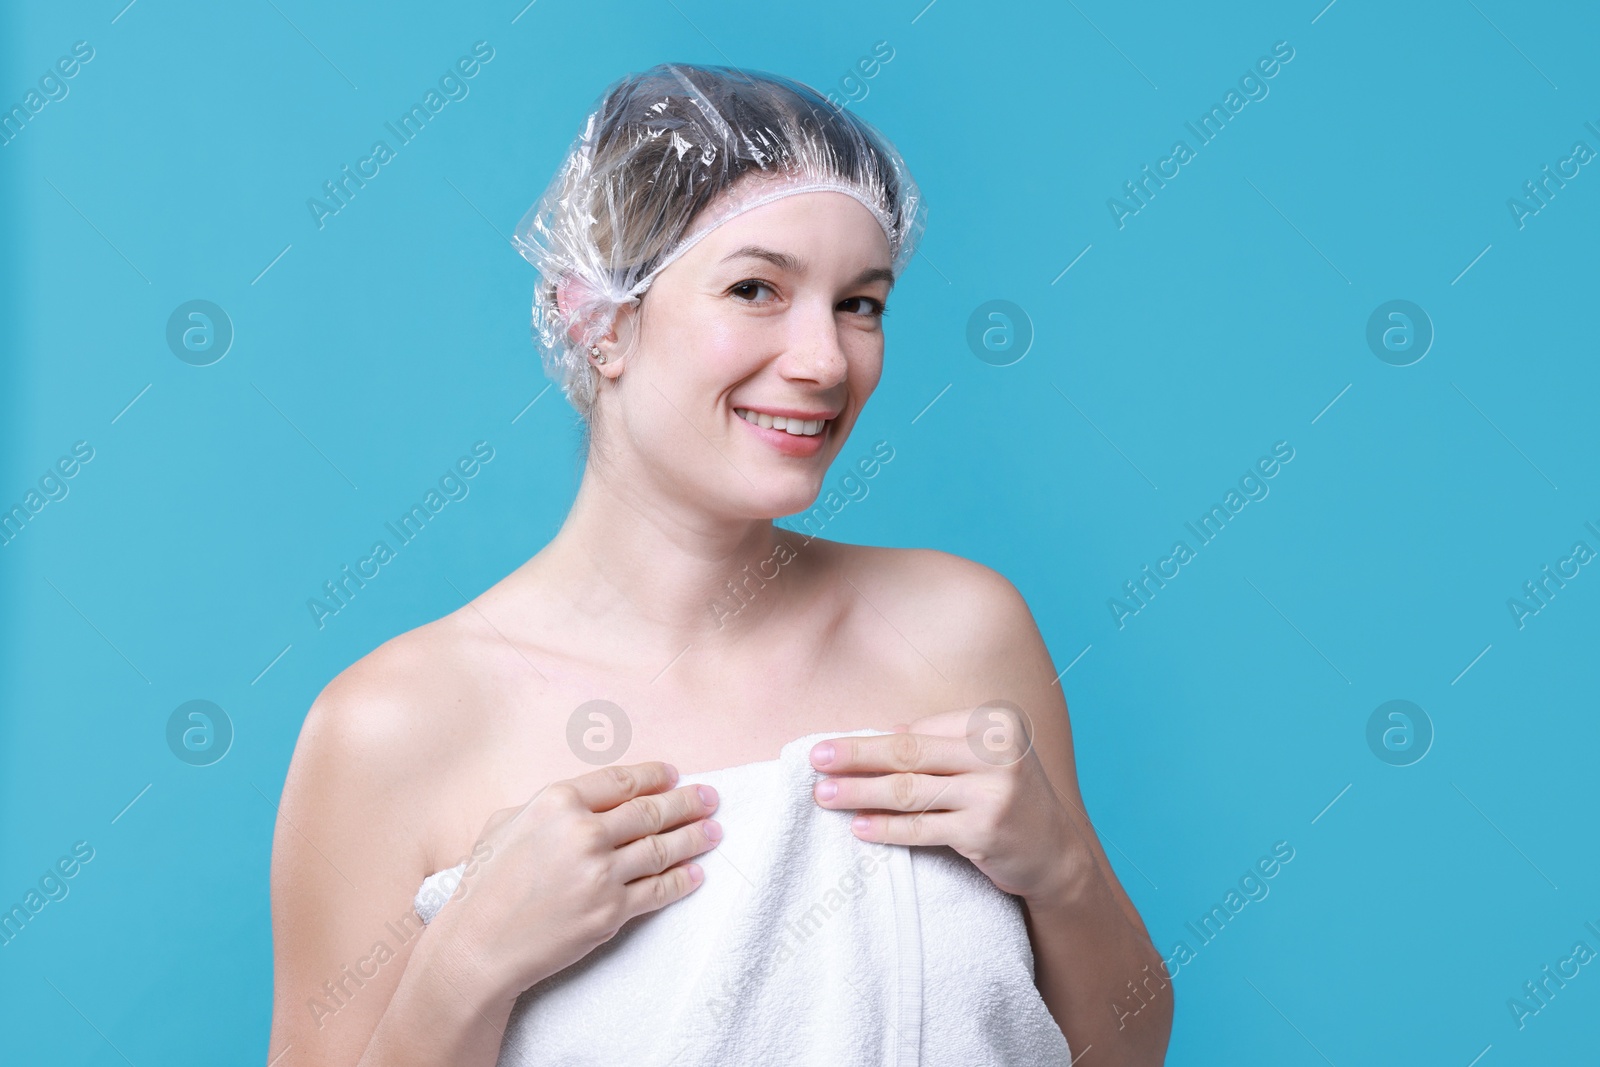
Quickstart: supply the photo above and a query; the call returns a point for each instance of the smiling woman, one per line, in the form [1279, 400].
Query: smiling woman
[715, 257]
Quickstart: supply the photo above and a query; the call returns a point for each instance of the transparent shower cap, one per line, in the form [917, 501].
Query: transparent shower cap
[665, 157]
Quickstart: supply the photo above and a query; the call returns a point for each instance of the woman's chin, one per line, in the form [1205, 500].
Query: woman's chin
[776, 501]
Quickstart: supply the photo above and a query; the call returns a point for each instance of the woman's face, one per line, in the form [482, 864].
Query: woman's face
[774, 316]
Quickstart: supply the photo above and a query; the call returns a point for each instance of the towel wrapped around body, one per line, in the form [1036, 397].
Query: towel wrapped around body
[803, 946]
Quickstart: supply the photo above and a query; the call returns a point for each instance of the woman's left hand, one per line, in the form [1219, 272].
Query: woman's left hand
[970, 780]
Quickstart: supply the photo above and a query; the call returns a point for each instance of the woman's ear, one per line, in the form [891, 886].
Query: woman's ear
[585, 309]
[617, 342]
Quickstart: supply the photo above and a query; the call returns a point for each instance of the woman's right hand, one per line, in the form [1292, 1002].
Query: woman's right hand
[567, 869]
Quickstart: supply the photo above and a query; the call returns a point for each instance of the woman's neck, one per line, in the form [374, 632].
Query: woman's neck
[647, 567]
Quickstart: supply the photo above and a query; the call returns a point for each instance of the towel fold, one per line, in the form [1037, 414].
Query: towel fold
[803, 946]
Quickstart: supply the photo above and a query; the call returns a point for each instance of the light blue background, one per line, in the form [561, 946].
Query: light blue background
[1227, 315]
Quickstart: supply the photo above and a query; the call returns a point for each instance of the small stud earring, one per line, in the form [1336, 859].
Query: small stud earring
[594, 350]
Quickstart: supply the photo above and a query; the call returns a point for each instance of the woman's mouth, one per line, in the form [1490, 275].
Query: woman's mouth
[795, 427]
[794, 434]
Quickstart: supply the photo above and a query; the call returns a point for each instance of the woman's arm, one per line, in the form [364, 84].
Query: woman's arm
[1099, 974]
[358, 978]
[1094, 964]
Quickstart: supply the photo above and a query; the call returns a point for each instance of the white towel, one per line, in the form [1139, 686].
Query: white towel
[803, 946]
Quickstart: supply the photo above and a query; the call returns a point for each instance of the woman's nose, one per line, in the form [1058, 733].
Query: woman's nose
[814, 352]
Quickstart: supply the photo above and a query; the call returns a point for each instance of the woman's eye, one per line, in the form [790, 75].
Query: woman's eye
[871, 306]
[746, 290]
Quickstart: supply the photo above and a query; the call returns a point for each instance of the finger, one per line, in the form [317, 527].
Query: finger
[998, 732]
[654, 854]
[884, 753]
[608, 787]
[901, 791]
[951, 723]
[934, 828]
[647, 815]
[659, 890]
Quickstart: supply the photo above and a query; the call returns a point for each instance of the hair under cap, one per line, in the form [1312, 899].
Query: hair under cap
[665, 157]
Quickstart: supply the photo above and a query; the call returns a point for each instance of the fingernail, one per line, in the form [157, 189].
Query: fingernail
[707, 794]
[713, 830]
[823, 753]
[827, 790]
[861, 823]
[672, 773]
[695, 873]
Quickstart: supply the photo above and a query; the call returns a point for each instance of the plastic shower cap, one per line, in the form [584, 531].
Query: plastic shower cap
[665, 157]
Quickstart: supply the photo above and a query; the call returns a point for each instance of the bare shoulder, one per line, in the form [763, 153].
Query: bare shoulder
[966, 619]
[380, 748]
[372, 723]
[958, 593]
[970, 625]
[357, 829]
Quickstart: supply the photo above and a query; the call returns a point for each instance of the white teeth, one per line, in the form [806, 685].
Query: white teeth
[797, 427]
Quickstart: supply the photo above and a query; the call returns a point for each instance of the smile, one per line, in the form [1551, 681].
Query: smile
[793, 426]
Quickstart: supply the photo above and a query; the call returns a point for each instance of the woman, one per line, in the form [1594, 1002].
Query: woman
[715, 257]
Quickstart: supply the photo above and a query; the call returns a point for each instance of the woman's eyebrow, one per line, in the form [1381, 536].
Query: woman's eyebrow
[781, 260]
[792, 263]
